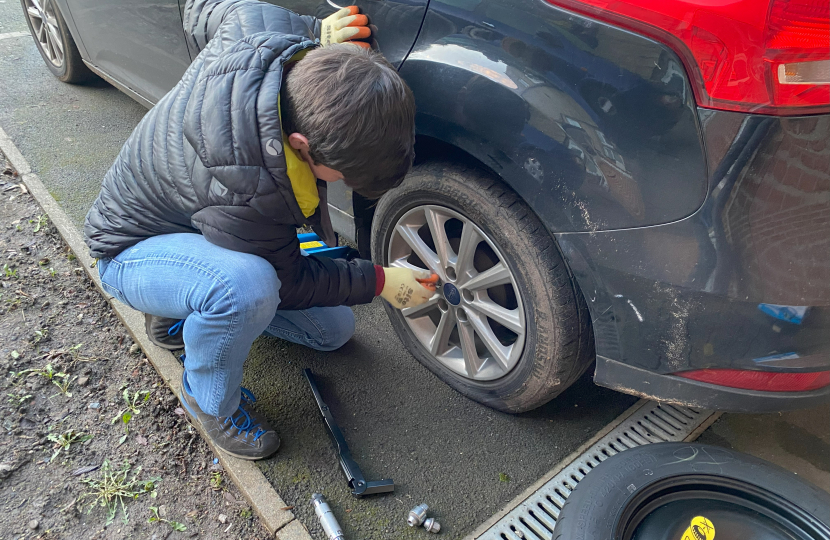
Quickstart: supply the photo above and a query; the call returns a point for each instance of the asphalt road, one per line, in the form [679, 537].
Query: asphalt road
[401, 421]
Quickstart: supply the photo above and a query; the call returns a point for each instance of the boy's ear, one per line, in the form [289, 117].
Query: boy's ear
[298, 141]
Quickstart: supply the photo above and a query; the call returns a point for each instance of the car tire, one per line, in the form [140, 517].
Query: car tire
[55, 42]
[557, 343]
[694, 491]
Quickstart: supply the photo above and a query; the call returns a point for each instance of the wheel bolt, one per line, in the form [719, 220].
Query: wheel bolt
[450, 271]
[417, 515]
[461, 315]
[431, 525]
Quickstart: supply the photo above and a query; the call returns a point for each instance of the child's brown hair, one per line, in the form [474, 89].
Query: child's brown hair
[357, 114]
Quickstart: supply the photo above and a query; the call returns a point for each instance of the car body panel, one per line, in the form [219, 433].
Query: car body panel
[593, 126]
[706, 291]
[138, 43]
[396, 22]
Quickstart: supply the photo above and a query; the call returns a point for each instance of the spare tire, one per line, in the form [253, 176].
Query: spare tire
[683, 491]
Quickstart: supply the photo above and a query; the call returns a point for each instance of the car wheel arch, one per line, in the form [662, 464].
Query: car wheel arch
[434, 148]
[492, 127]
[72, 27]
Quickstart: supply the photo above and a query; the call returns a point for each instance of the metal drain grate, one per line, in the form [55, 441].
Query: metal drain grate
[535, 518]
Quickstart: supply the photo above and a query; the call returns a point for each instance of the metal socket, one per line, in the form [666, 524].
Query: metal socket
[431, 525]
[417, 515]
[328, 522]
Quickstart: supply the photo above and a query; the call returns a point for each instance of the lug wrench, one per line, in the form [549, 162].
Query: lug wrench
[360, 486]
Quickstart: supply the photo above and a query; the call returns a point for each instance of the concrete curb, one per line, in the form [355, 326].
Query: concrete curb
[253, 485]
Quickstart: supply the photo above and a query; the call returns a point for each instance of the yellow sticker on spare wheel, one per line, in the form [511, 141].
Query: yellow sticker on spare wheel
[310, 245]
[700, 529]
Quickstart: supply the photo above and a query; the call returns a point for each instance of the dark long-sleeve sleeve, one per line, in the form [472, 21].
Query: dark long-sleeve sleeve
[232, 20]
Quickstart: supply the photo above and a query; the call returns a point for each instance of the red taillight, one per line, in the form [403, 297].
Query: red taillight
[761, 56]
[798, 52]
[765, 381]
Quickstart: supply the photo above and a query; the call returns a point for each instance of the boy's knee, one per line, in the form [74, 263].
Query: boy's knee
[339, 328]
[254, 288]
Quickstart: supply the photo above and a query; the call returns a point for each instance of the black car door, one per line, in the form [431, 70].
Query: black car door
[139, 43]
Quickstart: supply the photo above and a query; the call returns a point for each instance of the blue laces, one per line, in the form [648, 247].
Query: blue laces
[173, 330]
[242, 421]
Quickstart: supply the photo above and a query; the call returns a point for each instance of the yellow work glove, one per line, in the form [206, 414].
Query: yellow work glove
[405, 288]
[345, 25]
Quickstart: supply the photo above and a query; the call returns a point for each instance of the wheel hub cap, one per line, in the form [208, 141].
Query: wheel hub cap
[451, 294]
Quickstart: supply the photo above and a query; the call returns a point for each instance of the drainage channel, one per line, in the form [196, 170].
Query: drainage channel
[536, 516]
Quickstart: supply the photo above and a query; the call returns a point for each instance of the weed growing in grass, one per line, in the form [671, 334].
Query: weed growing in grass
[115, 488]
[216, 481]
[126, 414]
[17, 400]
[48, 372]
[156, 518]
[65, 440]
[9, 272]
[41, 334]
[63, 385]
[41, 222]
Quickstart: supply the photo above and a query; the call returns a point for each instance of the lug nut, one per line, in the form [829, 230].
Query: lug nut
[417, 515]
[431, 525]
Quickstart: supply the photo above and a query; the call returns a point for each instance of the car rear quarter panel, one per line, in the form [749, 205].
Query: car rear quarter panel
[688, 294]
[593, 126]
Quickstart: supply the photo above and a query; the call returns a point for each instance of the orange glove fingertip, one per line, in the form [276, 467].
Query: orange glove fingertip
[359, 20]
[362, 32]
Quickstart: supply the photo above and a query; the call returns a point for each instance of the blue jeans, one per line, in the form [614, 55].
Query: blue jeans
[228, 298]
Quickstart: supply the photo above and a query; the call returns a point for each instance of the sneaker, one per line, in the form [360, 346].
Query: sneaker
[243, 434]
[164, 332]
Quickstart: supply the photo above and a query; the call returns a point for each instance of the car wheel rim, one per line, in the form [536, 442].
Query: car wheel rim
[475, 323]
[44, 21]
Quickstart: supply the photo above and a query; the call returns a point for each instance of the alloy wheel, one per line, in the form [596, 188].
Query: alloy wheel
[44, 22]
[475, 323]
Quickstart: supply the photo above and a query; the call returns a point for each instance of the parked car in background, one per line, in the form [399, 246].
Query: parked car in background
[644, 185]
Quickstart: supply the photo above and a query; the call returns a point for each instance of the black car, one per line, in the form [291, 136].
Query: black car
[645, 185]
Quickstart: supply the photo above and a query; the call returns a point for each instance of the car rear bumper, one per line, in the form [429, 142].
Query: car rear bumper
[743, 283]
[674, 389]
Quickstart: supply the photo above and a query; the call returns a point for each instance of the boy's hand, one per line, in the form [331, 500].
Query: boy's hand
[345, 25]
[405, 288]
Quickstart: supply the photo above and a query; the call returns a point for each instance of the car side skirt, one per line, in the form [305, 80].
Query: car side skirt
[123, 87]
[672, 389]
